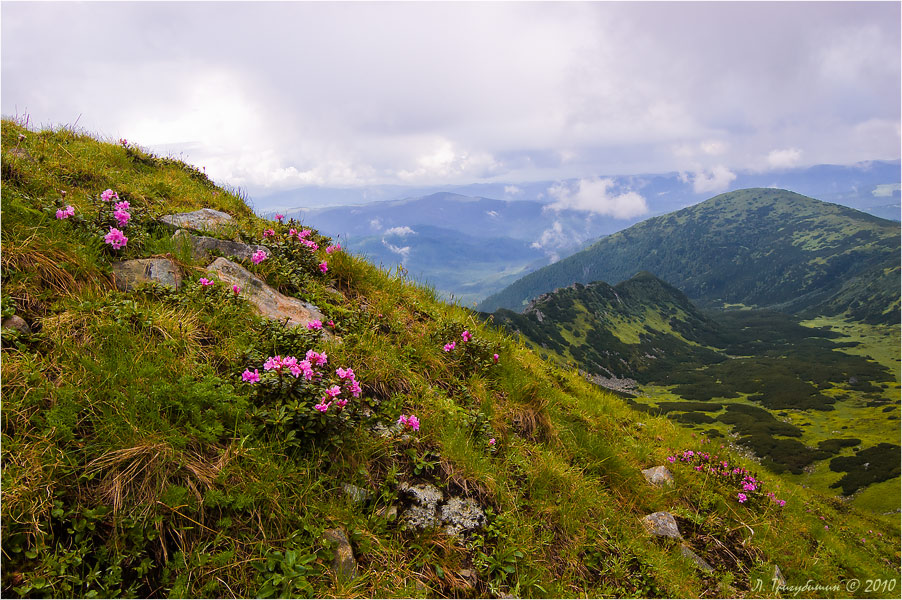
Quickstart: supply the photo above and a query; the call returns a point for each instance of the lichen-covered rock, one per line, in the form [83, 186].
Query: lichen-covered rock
[423, 511]
[778, 578]
[698, 560]
[355, 494]
[460, 515]
[205, 219]
[343, 563]
[201, 246]
[658, 476]
[16, 322]
[662, 524]
[129, 273]
[266, 300]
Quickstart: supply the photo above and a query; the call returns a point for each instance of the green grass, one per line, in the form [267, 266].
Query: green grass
[137, 463]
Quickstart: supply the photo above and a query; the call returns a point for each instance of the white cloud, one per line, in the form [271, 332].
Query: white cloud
[492, 213]
[784, 158]
[404, 252]
[512, 190]
[886, 190]
[376, 224]
[714, 180]
[400, 231]
[552, 239]
[593, 195]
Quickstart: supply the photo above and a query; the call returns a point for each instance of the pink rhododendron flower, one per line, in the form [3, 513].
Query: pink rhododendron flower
[333, 248]
[268, 233]
[323, 267]
[331, 323]
[741, 497]
[65, 213]
[279, 218]
[333, 391]
[258, 257]
[317, 358]
[341, 403]
[108, 195]
[251, 377]
[354, 388]
[292, 232]
[495, 358]
[305, 233]
[115, 238]
[315, 324]
[205, 282]
[322, 406]
[237, 289]
[449, 347]
[124, 205]
[413, 423]
[492, 442]
[345, 373]
[466, 335]
[273, 363]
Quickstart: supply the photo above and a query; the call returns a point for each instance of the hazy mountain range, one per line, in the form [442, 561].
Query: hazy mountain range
[500, 232]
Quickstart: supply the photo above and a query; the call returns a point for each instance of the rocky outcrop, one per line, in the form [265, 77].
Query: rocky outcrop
[658, 476]
[428, 509]
[355, 494]
[16, 323]
[662, 524]
[343, 562]
[201, 246]
[129, 273]
[267, 301]
[205, 219]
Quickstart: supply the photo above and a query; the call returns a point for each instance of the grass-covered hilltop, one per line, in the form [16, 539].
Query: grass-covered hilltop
[243, 409]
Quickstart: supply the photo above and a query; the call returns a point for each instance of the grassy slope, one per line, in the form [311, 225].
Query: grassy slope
[136, 463]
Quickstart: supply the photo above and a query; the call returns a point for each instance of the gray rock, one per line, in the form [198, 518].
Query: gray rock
[460, 515]
[423, 511]
[659, 476]
[698, 560]
[662, 524]
[389, 513]
[267, 301]
[205, 219]
[129, 273]
[778, 578]
[343, 563]
[16, 322]
[469, 578]
[355, 494]
[201, 246]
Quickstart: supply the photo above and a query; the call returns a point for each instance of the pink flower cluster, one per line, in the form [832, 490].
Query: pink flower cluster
[108, 195]
[204, 282]
[714, 465]
[315, 324]
[333, 248]
[115, 238]
[268, 233]
[258, 257]
[333, 394]
[121, 213]
[65, 213]
[409, 421]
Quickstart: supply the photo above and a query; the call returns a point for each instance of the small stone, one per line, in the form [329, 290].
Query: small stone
[423, 510]
[469, 577]
[698, 560]
[16, 322]
[778, 578]
[205, 219]
[358, 495]
[202, 245]
[460, 515]
[662, 524]
[129, 273]
[389, 513]
[658, 476]
[344, 564]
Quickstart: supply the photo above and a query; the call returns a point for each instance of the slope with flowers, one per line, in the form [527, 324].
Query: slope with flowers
[173, 442]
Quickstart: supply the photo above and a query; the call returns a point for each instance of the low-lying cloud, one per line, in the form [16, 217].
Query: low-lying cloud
[404, 252]
[594, 195]
[785, 158]
[714, 180]
[400, 231]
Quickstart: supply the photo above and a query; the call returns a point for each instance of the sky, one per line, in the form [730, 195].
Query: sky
[274, 96]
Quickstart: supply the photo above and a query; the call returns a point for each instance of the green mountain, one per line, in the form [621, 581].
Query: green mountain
[740, 372]
[168, 433]
[639, 329]
[755, 247]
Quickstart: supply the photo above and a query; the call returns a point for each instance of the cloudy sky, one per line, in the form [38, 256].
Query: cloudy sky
[273, 96]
